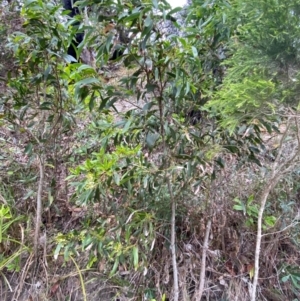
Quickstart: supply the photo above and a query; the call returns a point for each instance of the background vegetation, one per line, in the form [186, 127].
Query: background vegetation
[169, 173]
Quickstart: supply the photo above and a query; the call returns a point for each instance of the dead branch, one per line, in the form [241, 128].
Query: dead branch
[203, 262]
[173, 247]
[39, 206]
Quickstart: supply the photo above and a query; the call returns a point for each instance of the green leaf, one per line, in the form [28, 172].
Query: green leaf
[238, 207]
[250, 199]
[295, 282]
[148, 21]
[151, 139]
[117, 178]
[155, 4]
[115, 266]
[270, 221]
[206, 22]
[135, 254]
[91, 261]
[85, 67]
[285, 278]
[195, 51]
[28, 149]
[69, 58]
[46, 105]
[47, 72]
[220, 162]
[296, 275]
[57, 250]
[145, 182]
[132, 17]
[50, 198]
[146, 34]
[127, 126]
[87, 81]
[67, 253]
[174, 11]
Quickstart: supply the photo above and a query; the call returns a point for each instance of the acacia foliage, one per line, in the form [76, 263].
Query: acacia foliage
[262, 73]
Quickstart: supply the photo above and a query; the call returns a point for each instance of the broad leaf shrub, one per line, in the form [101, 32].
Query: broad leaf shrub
[38, 106]
[140, 161]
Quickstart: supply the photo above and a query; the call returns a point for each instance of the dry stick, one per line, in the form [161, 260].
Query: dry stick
[203, 262]
[3, 199]
[263, 201]
[39, 206]
[173, 248]
[291, 225]
[24, 273]
[277, 172]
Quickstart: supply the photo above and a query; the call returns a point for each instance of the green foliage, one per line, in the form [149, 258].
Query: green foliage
[38, 104]
[263, 55]
[114, 240]
[291, 273]
[11, 248]
[250, 210]
[132, 159]
[271, 27]
[244, 99]
[106, 172]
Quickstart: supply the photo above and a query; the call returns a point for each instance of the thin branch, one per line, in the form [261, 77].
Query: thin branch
[3, 199]
[173, 246]
[263, 200]
[291, 225]
[203, 262]
[39, 206]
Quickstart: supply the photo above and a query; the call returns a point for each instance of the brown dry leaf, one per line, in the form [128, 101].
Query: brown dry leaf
[54, 288]
[229, 268]
[101, 265]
